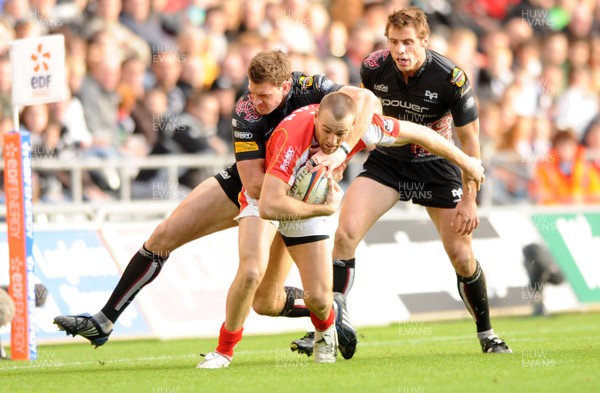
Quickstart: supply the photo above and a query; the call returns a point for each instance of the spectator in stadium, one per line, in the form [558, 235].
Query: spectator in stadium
[591, 141]
[578, 106]
[565, 177]
[105, 17]
[5, 86]
[166, 67]
[392, 75]
[361, 42]
[213, 205]
[137, 15]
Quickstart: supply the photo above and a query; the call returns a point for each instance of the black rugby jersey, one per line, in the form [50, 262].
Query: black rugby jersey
[251, 131]
[438, 93]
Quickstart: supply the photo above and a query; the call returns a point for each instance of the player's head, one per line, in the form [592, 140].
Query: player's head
[333, 121]
[407, 32]
[269, 80]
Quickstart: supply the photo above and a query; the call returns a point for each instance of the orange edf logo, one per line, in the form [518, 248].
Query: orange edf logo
[39, 59]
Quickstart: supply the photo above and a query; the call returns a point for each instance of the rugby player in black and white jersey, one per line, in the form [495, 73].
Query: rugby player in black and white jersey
[418, 85]
[274, 92]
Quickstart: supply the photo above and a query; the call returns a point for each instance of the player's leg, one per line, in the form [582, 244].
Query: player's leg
[254, 242]
[272, 297]
[207, 209]
[470, 277]
[316, 274]
[365, 201]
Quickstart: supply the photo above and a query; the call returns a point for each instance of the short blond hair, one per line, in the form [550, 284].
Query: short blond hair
[413, 16]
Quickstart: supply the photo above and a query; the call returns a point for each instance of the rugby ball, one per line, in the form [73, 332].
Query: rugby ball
[310, 187]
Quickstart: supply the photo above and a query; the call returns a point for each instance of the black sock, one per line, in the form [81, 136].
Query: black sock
[291, 309]
[343, 275]
[141, 270]
[473, 292]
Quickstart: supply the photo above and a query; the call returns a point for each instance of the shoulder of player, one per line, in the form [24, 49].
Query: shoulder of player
[245, 114]
[447, 69]
[302, 82]
[376, 60]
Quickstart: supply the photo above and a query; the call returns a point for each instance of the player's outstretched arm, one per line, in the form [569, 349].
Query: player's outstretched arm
[423, 136]
[276, 204]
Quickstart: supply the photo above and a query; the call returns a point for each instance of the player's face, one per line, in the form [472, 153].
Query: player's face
[407, 50]
[329, 133]
[266, 97]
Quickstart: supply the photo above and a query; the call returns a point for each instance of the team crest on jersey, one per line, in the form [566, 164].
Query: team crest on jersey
[457, 194]
[375, 59]
[431, 95]
[247, 111]
[458, 77]
[305, 82]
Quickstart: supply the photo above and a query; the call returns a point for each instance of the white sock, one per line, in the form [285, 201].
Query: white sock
[105, 324]
[486, 334]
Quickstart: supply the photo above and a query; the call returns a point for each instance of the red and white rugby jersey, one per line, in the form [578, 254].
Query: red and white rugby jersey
[289, 146]
[288, 149]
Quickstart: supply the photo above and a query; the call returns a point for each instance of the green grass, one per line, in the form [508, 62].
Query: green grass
[555, 354]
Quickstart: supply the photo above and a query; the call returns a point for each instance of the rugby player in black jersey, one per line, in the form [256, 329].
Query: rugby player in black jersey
[424, 87]
[213, 204]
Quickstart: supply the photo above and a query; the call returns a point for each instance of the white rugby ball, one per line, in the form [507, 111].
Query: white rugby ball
[310, 187]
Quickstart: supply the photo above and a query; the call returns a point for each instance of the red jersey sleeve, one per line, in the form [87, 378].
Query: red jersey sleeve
[383, 131]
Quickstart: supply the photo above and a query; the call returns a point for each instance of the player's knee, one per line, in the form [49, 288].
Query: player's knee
[250, 277]
[346, 238]
[263, 305]
[464, 263]
[318, 303]
[161, 242]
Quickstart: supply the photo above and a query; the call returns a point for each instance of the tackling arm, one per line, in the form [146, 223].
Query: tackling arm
[438, 145]
[252, 173]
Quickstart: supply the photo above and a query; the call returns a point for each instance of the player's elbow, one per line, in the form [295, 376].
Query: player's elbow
[266, 210]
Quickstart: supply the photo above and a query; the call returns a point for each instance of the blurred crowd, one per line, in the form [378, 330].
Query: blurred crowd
[155, 77]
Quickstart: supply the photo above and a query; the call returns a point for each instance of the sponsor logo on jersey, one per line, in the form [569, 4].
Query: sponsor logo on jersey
[469, 104]
[287, 159]
[458, 77]
[383, 88]
[403, 104]
[431, 95]
[242, 135]
[326, 84]
[247, 111]
[457, 194]
[375, 59]
[243, 147]
[305, 82]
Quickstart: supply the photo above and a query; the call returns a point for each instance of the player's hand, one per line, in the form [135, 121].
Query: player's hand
[331, 161]
[335, 194]
[474, 171]
[465, 218]
[338, 173]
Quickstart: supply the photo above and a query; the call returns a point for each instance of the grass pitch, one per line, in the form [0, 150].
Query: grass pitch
[555, 354]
